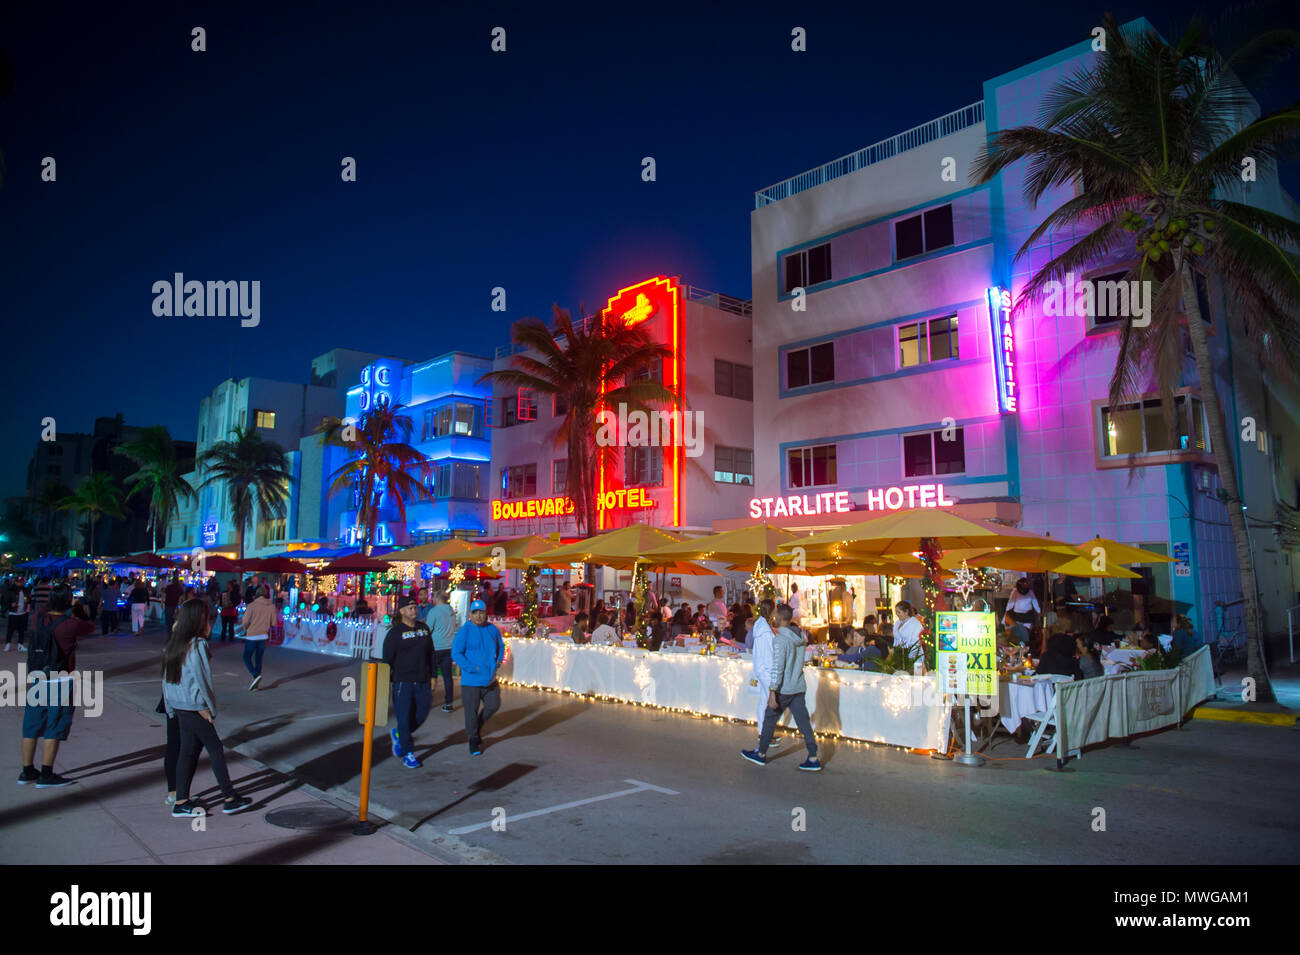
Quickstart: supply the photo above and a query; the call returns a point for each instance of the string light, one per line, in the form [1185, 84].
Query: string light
[456, 575]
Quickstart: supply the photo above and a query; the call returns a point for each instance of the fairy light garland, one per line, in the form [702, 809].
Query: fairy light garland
[528, 618]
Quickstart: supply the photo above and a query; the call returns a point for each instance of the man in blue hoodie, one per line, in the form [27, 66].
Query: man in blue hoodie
[478, 650]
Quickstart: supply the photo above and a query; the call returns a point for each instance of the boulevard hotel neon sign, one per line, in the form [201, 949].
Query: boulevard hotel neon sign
[1004, 347]
[837, 502]
[624, 499]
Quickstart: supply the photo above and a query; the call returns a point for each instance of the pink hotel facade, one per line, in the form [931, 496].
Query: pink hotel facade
[902, 370]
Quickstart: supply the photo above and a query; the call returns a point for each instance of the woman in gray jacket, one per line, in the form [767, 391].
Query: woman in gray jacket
[188, 696]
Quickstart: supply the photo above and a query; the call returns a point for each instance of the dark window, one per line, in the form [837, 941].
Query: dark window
[643, 467]
[733, 465]
[809, 366]
[823, 363]
[917, 457]
[559, 475]
[812, 467]
[509, 412]
[908, 238]
[796, 368]
[1096, 280]
[1140, 428]
[928, 453]
[938, 228]
[722, 377]
[468, 481]
[733, 381]
[808, 267]
[519, 481]
[744, 383]
[923, 233]
[950, 456]
[559, 405]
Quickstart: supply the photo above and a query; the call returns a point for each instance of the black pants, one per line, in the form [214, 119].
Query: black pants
[442, 664]
[794, 702]
[227, 629]
[172, 755]
[197, 733]
[471, 697]
[17, 628]
[108, 620]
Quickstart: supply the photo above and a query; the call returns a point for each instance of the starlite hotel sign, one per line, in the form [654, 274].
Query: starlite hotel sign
[838, 502]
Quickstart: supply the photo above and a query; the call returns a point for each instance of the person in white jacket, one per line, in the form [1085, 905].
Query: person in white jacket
[763, 636]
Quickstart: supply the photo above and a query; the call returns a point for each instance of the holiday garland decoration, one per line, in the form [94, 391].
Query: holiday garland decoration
[640, 587]
[528, 618]
[932, 585]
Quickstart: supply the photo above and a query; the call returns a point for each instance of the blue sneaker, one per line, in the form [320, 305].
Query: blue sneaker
[397, 749]
[811, 765]
[410, 762]
[754, 756]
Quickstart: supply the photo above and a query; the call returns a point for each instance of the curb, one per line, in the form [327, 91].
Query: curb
[1240, 716]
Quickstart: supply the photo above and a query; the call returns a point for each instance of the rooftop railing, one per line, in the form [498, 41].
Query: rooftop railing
[953, 122]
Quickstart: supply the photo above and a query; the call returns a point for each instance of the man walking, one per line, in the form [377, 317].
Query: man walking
[52, 660]
[786, 689]
[16, 631]
[442, 624]
[478, 650]
[109, 597]
[764, 637]
[139, 605]
[172, 594]
[408, 651]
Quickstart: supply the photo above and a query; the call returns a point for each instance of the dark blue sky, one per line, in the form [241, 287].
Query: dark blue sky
[475, 169]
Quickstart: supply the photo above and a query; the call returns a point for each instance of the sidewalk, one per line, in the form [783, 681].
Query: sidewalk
[114, 812]
[1227, 704]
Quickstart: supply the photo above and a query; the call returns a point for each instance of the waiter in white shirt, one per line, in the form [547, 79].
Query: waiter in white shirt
[763, 637]
[1023, 605]
[796, 602]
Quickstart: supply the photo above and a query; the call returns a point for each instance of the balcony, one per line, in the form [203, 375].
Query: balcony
[953, 122]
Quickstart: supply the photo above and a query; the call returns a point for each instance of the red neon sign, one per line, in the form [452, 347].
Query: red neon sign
[634, 305]
[628, 499]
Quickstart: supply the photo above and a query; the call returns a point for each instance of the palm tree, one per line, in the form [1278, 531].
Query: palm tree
[383, 463]
[158, 476]
[47, 502]
[254, 471]
[574, 363]
[97, 495]
[1153, 137]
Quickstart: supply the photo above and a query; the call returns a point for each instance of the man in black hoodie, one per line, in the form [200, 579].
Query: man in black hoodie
[408, 651]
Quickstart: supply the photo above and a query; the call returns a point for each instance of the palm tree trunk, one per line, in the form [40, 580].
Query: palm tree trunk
[92, 532]
[1228, 478]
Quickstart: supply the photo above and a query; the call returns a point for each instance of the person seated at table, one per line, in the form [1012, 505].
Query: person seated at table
[629, 614]
[1085, 651]
[361, 608]
[578, 632]
[1104, 636]
[604, 634]
[1059, 657]
[860, 649]
[1185, 641]
[1147, 640]
[682, 621]
[658, 633]
[1017, 632]
[740, 613]
[869, 626]
[598, 609]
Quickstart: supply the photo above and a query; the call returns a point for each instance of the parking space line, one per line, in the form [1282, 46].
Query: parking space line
[639, 787]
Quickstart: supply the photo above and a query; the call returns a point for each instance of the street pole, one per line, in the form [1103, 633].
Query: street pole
[364, 827]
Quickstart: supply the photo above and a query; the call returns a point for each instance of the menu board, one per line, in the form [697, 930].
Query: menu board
[966, 653]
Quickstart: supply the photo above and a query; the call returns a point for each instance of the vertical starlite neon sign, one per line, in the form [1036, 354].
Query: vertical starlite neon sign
[1004, 347]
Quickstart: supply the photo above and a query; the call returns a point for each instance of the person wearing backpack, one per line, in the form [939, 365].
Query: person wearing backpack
[52, 660]
[17, 625]
[229, 613]
[189, 698]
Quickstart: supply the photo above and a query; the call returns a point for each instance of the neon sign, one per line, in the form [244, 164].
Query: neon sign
[634, 305]
[352, 536]
[378, 383]
[918, 495]
[624, 499]
[823, 503]
[210, 533]
[1004, 347]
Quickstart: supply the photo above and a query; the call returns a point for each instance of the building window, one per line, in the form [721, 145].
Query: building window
[813, 466]
[519, 481]
[810, 366]
[733, 381]
[733, 465]
[924, 342]
[643, 467]
[807, 267]
[509, 411]
[264, 419]
[1140, 428]
[458, 418]
[924, 232]
[527, 405]
[559, 405]
[929, 454]
[56, 451]
[559, 476]
[468, 482]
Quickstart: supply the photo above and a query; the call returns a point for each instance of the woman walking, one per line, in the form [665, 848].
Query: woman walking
[188, 696]
[229, 612]
[258, 617]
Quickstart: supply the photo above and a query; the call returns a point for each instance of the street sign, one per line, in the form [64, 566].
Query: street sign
[967, 653]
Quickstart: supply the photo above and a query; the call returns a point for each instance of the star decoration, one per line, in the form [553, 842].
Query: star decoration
[456, 575]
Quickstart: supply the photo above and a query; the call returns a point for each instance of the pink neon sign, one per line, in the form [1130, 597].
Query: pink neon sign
[837, 502]
[1004, 347]
[909, 495]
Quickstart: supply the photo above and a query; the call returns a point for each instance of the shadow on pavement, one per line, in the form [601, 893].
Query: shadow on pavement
[502, 778]
[338, 665]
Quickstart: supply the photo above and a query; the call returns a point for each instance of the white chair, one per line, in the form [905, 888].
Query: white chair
[1044, 719]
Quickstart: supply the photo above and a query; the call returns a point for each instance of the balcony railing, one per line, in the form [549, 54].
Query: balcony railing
[953, 122]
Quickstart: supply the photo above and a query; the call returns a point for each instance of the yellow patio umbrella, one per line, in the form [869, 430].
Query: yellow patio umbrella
[520, 552]
[1117, 553]
[899, 534]
[746, 544]
[1057, 560]
[618, 548]
[455, 551]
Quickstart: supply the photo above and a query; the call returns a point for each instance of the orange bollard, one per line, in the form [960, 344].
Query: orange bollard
[363, 827]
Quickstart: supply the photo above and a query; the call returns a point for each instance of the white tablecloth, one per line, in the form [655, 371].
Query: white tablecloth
[900, 709]
[352, 638]
[1018, 700]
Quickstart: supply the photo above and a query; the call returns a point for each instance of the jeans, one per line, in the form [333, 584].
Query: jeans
[169, 618]
[794, 702]
[137, 616]
[471, 697]
[411, 703]
[197, 733]
[17, 628]
[109, 621]
[763, 691]
[442, 664]
[254, 650]
[227, 629]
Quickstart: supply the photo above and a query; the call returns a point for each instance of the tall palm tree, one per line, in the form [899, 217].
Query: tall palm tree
[47, 501]
[575, 362]
[1153, 136]
[254, 471]
[97, 495]
[383, 464]
[158, 476]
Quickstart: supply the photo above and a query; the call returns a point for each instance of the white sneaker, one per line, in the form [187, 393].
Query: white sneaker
[170, 800]
[256, 680]
[8, 647]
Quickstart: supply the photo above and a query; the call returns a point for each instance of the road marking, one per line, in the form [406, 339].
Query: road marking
[638, 787]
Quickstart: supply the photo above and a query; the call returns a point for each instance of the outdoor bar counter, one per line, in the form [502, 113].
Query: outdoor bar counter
[875, 707]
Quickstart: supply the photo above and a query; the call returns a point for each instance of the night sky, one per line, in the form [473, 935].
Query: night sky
[474, 169]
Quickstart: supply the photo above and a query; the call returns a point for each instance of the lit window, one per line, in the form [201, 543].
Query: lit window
[812, 467]
[733, 465]
[1140, 428]
[922, 342]
[559, 476]
[264, 419]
